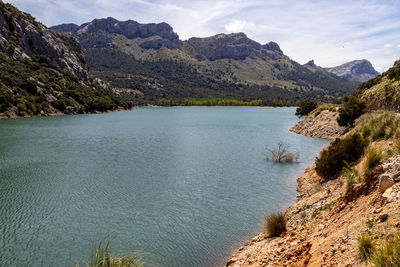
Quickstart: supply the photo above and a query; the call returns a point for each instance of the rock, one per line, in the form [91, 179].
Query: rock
[383, 217]
[393, 193]
[396, 176]
[385, 182]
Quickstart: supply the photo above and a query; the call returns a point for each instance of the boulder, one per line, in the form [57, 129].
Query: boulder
[393, 193]
[385, 181]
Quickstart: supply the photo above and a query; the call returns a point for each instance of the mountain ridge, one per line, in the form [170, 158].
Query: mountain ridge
[358, 70]
[153, 63]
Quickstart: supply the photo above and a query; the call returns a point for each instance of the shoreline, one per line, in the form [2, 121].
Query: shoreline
[2, 116]
[239, 254]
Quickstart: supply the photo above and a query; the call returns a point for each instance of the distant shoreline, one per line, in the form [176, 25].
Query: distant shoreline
[3, 116]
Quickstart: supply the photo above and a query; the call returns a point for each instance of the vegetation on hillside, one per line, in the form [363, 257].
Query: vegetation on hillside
[32, 87]
[334, 158]
[350, 110]
[306, 107]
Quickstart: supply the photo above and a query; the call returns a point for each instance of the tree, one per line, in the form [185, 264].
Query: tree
[350, 110]
[305, 108]
[281, 154]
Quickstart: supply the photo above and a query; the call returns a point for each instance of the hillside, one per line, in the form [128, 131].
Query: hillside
[348, 217]
[45, 73]
[146, 62]
[384, 90]
[357, 70]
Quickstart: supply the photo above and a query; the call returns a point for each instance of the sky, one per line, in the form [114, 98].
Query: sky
[329, 32]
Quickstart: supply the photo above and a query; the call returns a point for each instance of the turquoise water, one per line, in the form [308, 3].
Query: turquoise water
[187, 185]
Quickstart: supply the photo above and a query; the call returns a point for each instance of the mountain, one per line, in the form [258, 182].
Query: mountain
[383, 91]
[147, 62]
[357, 70]
[42, 72]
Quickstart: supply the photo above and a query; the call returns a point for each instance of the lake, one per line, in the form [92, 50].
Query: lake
[188, 185]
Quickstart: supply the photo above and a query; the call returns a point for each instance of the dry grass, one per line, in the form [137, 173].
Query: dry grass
[365, 246]
[275, 224]
[102, 257]
[389, 253]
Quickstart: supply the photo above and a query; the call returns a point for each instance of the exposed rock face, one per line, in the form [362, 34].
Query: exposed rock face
[322, 125]
[22, 36]
[233, 46]
[311, 64]
[52, 74]
[358, 70]
[163, 33]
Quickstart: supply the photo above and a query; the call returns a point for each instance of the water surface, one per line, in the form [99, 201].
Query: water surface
[187, 185]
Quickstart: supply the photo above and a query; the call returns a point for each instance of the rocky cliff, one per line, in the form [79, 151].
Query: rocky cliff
[43, 72]
[358, 70]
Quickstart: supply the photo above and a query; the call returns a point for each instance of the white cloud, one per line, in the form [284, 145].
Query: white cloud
[239, 25]
[330, 32]
[388, 45]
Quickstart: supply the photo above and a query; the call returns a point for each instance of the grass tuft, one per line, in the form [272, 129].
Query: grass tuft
[372, 158]
[366, 246]
[275, 224]
[389, 253]
[102, 257]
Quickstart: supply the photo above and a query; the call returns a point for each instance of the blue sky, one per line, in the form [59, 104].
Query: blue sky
[330, 32]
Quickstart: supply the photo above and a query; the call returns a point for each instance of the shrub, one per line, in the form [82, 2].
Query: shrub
[275, 224]
[332, 159]
[365, 246]
[389, 253]
[350, 111]
[281, 154]
[305, 108]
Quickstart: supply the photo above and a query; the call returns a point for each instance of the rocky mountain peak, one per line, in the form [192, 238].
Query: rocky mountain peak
[311, 64]
[358, 70]
[233, 46]
[160, 34]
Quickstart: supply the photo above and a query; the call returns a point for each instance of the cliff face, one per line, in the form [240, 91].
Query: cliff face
[358, 70]
[22, 36]
[42, 72]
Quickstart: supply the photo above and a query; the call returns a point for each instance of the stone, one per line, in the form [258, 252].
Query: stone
[396, 176]
[383, 217]
[393, 193]
[385, 181]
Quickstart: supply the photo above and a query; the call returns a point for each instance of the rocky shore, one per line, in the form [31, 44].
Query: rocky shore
[325, 221]
[320, 125]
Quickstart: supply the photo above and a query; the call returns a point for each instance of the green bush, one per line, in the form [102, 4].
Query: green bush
[275, 224]
[350, 110]
[332, 159]
[389, 253]
[365, 246]
[305, 108]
